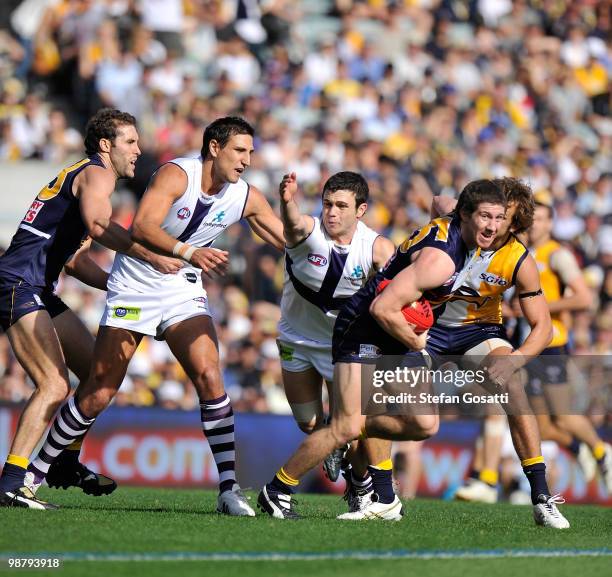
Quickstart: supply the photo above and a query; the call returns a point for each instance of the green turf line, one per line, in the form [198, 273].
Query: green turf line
[332, 556]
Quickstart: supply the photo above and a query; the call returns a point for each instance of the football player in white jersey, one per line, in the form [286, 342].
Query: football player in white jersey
[327, 260]
[188, 203]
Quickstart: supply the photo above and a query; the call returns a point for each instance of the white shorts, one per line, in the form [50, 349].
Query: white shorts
[170, 300]
[299, 356]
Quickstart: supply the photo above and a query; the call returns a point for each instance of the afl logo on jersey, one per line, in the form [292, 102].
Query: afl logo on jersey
[317, 259]
[183, 213]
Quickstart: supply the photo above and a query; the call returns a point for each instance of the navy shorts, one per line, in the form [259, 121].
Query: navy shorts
[443, 340]
[550, 368]
[17, 299]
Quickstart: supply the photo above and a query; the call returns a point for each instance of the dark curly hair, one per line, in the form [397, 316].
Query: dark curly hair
[520, 194]
[104, 124]
[478, 191]
[223, 129]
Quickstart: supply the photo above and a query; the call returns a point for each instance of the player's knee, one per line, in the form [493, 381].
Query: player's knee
[94, 403]
[56, 391]
[208, 382]
[426, 426]
[95, 395]
[561, 421]
[308, 416]
[307, 428]
[345, 430]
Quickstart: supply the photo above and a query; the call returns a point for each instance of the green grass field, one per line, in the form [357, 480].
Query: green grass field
[105, 536]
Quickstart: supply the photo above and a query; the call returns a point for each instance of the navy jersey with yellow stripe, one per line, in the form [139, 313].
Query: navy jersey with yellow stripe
[479, 298]
[442, 233]
[50, 233]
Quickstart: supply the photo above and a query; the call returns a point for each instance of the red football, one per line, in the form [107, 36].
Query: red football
[418, 313]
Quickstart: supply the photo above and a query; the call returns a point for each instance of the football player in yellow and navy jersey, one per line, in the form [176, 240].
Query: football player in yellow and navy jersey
[548, 389]
[471, 325]
[41, 329]
[433, 262]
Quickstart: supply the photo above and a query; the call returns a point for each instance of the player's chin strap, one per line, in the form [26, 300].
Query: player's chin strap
[530, 294]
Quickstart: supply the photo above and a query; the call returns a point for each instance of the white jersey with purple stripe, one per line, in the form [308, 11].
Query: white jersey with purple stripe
[194, 218]
[320, 276]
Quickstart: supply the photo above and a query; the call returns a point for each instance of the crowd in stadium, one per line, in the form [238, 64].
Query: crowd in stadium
[419, 96]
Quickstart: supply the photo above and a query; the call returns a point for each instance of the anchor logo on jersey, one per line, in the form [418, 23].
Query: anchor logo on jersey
[357, 276]
[358, 272]
[218, 217]
[183, 213]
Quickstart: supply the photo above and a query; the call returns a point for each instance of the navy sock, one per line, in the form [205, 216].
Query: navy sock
[12, 477]
[474, 474]
[382, 481]
[574, 446]
[281, 487]
[536, 475]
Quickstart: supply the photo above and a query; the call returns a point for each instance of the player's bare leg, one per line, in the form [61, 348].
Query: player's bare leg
[113, 351]
[194, 343]
[347, 424]
[37, 348]
[66, 471]
[526, 440]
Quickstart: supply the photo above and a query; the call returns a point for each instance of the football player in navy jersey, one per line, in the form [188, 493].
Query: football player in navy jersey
[431, 262]
[44, 333]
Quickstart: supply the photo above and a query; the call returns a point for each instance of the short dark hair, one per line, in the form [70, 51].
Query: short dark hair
[348, 180]
[520, 194]
[477, 192]
[104, 124]
[223, 129]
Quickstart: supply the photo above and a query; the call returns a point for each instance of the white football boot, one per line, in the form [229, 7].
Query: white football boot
[374, 510]
[477, 491]
[545, 513]
[234, 503]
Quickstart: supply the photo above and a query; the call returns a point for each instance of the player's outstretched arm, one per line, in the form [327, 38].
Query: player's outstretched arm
[534, 308]
[430, 269]
[262, 220]
[166, 185]
[94, 186]
[83, 268]
[297, 225]
[382, 251]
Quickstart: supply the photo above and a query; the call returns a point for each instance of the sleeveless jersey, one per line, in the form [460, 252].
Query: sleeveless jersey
[195, 218]
[478, 300]
[50, 233]
[552, 288]
[442, 233]
[320, 276]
